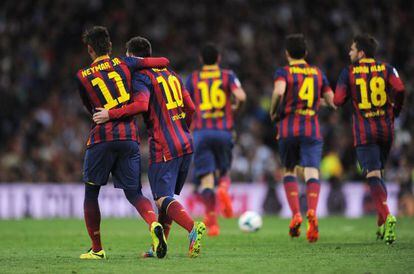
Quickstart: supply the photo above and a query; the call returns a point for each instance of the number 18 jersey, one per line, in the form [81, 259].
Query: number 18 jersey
[211, 89]
[298, 110]
[372, 87]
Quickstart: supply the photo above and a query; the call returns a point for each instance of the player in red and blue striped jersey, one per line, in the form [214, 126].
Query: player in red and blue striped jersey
[298, 89]
[377, 95]
[168, 111]
[212, 89]
[113, 146]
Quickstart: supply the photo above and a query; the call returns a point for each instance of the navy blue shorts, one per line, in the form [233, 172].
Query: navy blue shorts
[302, 151]
[213, 151]
[372, 156]
[121, 158]
[168, 178]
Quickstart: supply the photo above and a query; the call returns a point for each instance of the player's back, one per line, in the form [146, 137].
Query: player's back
[211, 90]
[371, 85]
[169, 136]
[106, 83]
[298, 111]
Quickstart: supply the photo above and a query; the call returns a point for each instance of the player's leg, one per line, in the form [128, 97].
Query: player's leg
[96, 169]
[311, 154]
[127, 176]
[372, 159]
[204, 168]
[223, 158]
[289, 156]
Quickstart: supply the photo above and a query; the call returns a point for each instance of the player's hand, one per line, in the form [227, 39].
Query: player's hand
[274, 117]
[102, 116]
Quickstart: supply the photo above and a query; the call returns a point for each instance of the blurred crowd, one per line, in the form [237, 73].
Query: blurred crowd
[43, 127]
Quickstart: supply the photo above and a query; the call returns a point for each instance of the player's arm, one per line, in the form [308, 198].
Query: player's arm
[278, 91]
[237, 91]
[398, 90]
[139, 104]
[84, 96]
[189, 107]
[327, 92]
[137, 63]
[342, 88]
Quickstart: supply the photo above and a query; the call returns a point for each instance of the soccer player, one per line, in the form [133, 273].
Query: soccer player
[112, 147]
[377, 95]
[168, 115]
[212, 89]
[297, 93]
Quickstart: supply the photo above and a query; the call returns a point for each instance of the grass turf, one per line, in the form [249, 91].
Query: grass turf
[346, 245]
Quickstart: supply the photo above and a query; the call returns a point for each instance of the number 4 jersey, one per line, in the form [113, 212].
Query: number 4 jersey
[211, 90]
[299, 106]
[377, 94]
[106, 83]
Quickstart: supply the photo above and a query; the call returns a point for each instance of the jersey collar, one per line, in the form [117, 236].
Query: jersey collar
[210, 67]
[100, 58]
[367, 60]
[297, 62]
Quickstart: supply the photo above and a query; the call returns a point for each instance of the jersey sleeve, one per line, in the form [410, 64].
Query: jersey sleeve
[342, 88]
[189, 85]
[397, 86]
[326, 87]
[137, 63]
[84, 96]
[280, 74]
[140, 87]
[394, 80]
[234, 82]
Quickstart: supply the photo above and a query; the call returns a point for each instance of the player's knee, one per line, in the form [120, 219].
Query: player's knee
[207, 181]
[311, 173]
[132, 195]
[163, 202]
[374, 173]
[91, 192]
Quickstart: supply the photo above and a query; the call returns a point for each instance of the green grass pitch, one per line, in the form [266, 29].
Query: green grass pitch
[345, 246]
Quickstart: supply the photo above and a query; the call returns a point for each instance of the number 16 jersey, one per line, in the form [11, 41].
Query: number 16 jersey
[211, 89]
[372, 87]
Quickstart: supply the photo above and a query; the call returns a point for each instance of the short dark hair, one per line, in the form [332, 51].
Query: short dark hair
[296, 45]
[98, 38]
[366, 43]
[210, 54]
[139, 46]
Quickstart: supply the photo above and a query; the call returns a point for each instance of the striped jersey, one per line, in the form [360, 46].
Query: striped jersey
[372, 86]
[169, 135]
[299, 106]
[211, 89]
[107, 83]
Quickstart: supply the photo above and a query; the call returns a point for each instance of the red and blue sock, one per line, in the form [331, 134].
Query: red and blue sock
[92, 215]
[177, 213]
[292, 193]
[379, 195]
[142, 205]
[209, 200]
[313, 188]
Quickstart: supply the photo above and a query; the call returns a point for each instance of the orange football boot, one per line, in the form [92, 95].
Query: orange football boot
[294, 227]
[313, 232]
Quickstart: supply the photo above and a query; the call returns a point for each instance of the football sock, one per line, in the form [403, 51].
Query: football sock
[177, 213]
[92, 215]
[209, 200]
[142, 204]
[312, 193]
[379, 195]
[165, 221]
[292, 193]
[225, 182]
